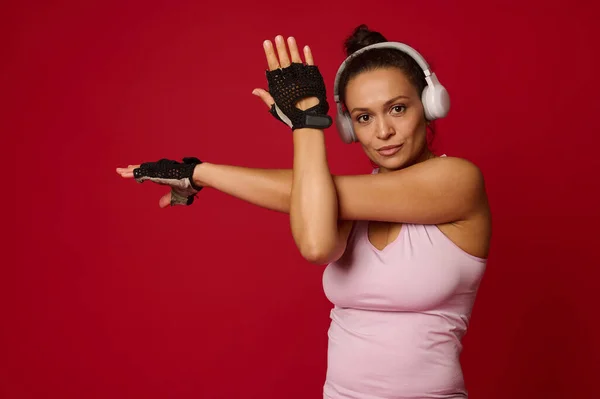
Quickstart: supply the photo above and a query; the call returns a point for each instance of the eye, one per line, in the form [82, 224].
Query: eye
[363, 118]
[400, 108]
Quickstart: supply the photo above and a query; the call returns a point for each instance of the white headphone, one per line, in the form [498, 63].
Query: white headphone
[435, 98]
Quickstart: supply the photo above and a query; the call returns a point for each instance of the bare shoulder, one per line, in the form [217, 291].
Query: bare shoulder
[456, 161]
[460, 169]
[437, 191]
[473, 233]
[456, 173]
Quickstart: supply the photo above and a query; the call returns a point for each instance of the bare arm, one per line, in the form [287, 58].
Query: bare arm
[313, 202]
[267, 188]
[313, 197]
[437, 191]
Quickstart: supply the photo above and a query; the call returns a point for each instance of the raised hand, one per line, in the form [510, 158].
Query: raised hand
[297, 95]
[177, 175]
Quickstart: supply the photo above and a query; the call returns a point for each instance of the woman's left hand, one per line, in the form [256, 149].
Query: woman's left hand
[297, 94]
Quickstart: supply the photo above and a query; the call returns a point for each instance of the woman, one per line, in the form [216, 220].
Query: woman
[406, 246]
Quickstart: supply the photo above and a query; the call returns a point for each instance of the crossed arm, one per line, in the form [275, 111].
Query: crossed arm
[322, 206]
[437, 191]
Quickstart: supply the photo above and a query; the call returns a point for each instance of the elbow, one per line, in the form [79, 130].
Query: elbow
[316, 256]
[319, 254]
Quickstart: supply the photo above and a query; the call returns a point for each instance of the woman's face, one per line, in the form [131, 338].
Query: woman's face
[388, 118]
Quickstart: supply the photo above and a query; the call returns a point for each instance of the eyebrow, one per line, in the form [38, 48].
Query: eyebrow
[387, 103]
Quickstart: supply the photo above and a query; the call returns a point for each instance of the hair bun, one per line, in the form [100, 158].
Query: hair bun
[362, 37]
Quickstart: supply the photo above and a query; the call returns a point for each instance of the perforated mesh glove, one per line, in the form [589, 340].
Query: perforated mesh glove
[171, 173]
[291, 84]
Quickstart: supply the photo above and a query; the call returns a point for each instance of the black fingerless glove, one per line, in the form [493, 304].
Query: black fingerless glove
[171, 173]
[289, 85]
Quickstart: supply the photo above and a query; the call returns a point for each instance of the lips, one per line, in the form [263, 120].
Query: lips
[389, 150]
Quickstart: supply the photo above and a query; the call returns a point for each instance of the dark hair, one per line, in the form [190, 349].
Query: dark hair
[377, 58]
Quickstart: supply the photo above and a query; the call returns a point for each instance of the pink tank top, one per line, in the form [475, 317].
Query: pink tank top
[399, 316]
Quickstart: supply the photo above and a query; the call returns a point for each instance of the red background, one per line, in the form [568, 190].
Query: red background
[104, 295]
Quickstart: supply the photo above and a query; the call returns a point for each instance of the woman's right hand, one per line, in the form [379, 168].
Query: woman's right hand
[177, 175]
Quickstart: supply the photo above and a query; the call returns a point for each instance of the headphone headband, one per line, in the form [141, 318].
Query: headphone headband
[414, 54]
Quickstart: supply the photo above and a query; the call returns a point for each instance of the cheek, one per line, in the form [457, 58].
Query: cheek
[410, 128]
[364, 134]
[414, 124]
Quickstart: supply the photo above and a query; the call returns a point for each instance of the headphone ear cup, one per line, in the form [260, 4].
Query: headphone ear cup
[436, 101]
[344, 126]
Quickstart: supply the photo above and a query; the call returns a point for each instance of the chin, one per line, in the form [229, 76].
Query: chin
[394, 163]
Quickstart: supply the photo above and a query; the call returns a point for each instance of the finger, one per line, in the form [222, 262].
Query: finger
[265, 96]
[294, 50]
[284, 60]
[128, 171]
[129, 168]
[165, 200]
[126, 174]
[308, 56]
[270, 53]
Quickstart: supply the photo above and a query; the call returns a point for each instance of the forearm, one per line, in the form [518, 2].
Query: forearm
[314, 204]
[267, 188]
[314, 217]
[272, 188]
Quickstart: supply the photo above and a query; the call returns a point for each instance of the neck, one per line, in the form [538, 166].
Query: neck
[425, 155]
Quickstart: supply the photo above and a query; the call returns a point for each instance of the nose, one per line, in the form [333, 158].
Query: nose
[384, 129]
